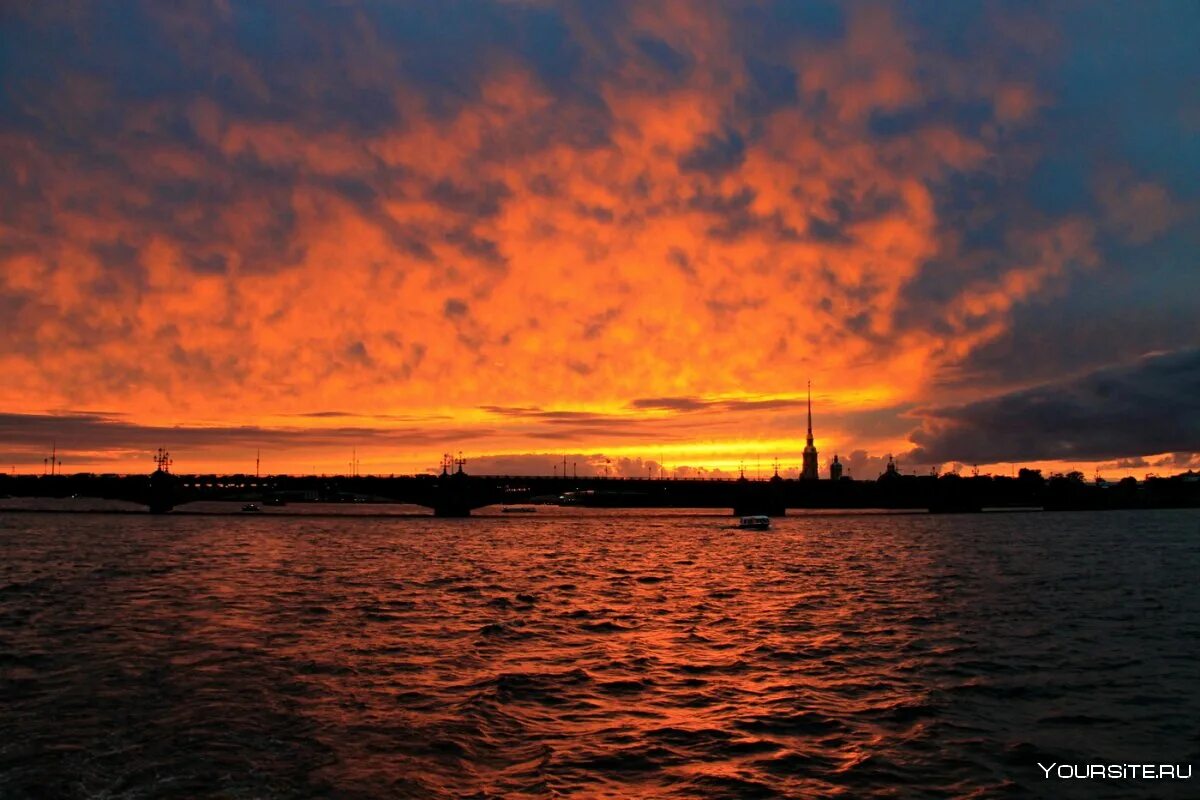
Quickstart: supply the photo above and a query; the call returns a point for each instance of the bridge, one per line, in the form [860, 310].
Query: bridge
[457, 494]
[447, 495]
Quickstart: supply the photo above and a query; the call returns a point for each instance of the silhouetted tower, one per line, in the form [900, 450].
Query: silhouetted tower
[835, 469]
[808, 472]
[162, 460]
[892, 470]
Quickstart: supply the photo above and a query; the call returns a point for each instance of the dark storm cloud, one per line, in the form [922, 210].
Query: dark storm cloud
[686, 404]
[29, 435]
[475, 201]
[1171, 461]
[566, 426]
[1149, 407]
[320, 70]
[333, 414]
[671, 403]
[716, 154]
[485, 251]
[1108, 101]
[734, 216]
[1085, 327]
[852, 205]
[334, 67]
[663, 56]
[543, 415]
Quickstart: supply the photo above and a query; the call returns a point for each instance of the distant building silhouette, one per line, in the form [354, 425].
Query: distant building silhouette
[835, 469]
[892, 472]
[808, 472]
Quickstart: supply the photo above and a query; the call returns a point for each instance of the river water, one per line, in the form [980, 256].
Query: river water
[607, 655]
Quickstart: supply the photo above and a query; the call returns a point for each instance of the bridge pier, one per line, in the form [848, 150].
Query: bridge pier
[452, 508]
[759, 498]
[453, 495]
[162, 492]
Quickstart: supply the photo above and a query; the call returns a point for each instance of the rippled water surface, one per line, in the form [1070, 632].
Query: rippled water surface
[624, 655]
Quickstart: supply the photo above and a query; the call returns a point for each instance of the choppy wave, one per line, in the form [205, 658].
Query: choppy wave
[607, 656]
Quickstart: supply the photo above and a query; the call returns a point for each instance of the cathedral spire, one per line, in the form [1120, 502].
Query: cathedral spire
[810, 436]
[808, 470]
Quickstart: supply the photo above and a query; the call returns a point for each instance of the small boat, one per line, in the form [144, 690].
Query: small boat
[251, 508]
[756, 522]
[518, 510]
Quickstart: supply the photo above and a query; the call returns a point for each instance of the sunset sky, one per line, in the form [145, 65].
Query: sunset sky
[599, 230]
